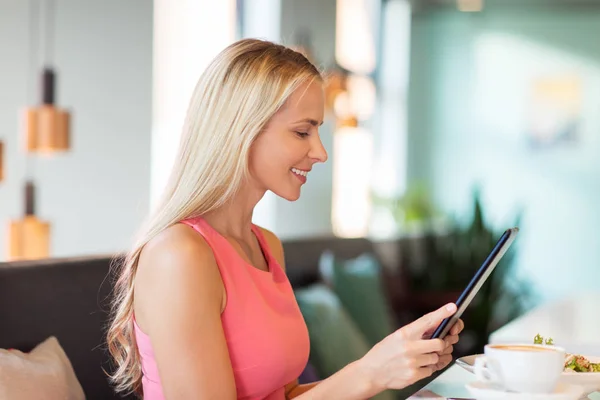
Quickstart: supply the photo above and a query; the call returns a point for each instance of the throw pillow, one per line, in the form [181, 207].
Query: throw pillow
[357, 282]
[43, 373]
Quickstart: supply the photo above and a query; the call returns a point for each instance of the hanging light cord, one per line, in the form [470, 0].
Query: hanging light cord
[48, 33]
[34, 19]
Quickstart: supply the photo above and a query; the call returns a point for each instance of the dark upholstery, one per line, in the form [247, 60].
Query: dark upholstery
[302, 256]
[64, 298]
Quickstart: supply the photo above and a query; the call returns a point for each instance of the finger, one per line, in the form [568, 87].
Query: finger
[449, 340]
[447, 350]
[457, 327]
[418, 328]
[443, 362]
[428, 334]
[426, 346]
[424, 360]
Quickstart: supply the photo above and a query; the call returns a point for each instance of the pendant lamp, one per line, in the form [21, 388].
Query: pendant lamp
[46, 128]
[28, 237]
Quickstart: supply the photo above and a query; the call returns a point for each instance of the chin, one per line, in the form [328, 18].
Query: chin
[289, 195]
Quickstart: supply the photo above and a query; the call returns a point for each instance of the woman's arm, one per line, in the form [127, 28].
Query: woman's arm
[179, 296]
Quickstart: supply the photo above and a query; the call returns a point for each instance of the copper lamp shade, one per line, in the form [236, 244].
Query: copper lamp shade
[347, 122]
[47, 127]
[28, 239]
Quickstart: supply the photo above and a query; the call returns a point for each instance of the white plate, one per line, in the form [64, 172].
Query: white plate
[590, 381]
[486, 391]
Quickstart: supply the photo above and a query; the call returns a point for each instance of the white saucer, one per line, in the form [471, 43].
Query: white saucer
[486, 391]
[589, 381]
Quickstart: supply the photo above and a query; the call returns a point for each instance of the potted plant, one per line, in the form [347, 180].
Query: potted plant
[451, 257]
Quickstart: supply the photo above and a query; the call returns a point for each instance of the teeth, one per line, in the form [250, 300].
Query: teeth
[299, 172]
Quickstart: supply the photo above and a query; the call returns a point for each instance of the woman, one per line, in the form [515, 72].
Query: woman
[203, 309]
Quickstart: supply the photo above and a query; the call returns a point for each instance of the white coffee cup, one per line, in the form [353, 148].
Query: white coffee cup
[524, 368]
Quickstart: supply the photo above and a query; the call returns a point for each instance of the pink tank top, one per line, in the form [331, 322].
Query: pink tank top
[266, 335]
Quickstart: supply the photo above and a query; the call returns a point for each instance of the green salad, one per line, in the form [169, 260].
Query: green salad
[540, 340]
[574, 362]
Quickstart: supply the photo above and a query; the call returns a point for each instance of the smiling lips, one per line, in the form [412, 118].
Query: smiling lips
[300, 174]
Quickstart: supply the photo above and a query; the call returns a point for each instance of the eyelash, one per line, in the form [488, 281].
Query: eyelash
[302, 134]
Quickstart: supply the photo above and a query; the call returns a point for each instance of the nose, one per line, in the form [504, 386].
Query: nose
[317, 151]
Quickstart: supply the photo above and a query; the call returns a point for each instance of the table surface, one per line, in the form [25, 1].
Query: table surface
[573, 322]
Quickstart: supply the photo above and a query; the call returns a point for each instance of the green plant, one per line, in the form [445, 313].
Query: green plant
[414, 206]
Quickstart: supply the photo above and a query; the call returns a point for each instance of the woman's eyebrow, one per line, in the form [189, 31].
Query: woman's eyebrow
[310, 121]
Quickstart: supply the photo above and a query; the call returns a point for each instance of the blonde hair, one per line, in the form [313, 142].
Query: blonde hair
[233, 100]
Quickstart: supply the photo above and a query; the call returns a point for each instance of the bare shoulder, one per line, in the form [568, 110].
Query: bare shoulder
[178, 260]
[275, 246]
[176, 250]
[178, 242]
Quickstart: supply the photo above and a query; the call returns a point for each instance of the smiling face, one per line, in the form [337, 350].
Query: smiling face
[286, 150]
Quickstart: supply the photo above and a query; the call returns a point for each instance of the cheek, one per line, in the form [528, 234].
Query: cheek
[267, 157]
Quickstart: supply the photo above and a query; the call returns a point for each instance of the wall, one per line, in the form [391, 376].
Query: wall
[180, 54]
[95, 195]
[470, 112]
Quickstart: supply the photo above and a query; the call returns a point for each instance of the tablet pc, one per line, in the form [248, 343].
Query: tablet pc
[478, 280]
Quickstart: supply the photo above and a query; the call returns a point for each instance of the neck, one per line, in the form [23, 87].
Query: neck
[234, 219]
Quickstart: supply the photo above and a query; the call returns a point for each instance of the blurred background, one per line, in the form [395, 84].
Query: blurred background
[448, 121]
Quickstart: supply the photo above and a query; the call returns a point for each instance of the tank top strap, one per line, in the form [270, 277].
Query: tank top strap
[203, 228]
[224, 255]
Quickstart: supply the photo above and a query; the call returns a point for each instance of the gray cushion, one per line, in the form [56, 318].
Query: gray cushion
[357, 282]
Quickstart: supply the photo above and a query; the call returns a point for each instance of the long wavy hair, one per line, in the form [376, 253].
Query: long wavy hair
[237, 94]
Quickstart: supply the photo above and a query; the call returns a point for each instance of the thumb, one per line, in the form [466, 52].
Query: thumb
[428, 321]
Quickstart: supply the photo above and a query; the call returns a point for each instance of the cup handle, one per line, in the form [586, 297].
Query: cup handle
[484, 373]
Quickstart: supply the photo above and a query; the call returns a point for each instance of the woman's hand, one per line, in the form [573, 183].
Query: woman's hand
[451, 339]
[407, 356]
